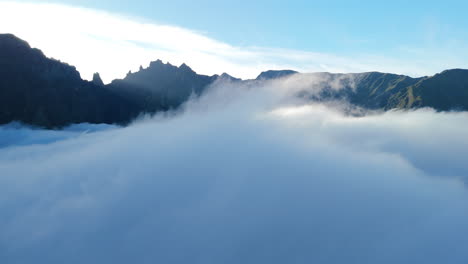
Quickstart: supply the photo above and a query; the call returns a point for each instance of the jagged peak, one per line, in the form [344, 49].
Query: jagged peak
[156, 63]
[159, 63]
[184, 66]
[97, 79]
[225, 76]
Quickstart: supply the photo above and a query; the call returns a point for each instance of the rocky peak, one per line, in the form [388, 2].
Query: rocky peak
[97, 79]
[185, 67]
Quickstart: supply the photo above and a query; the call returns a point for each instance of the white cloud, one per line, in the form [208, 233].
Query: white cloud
[244, 175]
[113, 44]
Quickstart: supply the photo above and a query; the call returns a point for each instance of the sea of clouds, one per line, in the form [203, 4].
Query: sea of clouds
[244, 174]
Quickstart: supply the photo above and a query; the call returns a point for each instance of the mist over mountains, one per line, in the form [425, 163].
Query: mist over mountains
[285, 168]
[48, 93]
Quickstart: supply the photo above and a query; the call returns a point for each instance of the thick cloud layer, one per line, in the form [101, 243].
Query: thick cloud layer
[16, 134]
[243, 175]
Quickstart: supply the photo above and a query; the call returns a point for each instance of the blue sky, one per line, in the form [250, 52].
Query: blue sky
[424, 36]
[325, 26]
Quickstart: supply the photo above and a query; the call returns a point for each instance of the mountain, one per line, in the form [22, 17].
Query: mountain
[445, 91]
[374, 90]
[161, 86]
[97, 79]
[370, 90]
[227, 77]
[46, 92]
[268, 75]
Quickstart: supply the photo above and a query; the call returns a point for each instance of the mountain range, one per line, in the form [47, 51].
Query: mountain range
[45, 92]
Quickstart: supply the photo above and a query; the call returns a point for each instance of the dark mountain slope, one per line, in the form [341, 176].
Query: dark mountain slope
[445, 91]
[97, 79]
[274, 74]
[161, 86]
[45, 92]
[373, 90]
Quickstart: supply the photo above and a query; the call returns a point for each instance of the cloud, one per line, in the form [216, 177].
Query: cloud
[16, 134]
[113, 44]
[245, 174]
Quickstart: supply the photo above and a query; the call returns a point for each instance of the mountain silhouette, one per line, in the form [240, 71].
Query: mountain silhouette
[161, 86]
[46, 92]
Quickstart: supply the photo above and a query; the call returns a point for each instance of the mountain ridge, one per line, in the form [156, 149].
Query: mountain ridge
[45, 92]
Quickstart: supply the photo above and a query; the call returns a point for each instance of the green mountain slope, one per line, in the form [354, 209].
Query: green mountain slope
[445, 91]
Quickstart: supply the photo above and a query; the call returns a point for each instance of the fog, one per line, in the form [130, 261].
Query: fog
[244, 174]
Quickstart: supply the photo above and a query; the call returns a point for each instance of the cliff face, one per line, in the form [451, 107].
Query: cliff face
[45, 92]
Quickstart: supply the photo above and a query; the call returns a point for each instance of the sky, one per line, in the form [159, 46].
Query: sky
[415, 38]
[323, 26]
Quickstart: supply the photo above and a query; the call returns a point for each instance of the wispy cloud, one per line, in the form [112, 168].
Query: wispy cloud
[113, 44]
